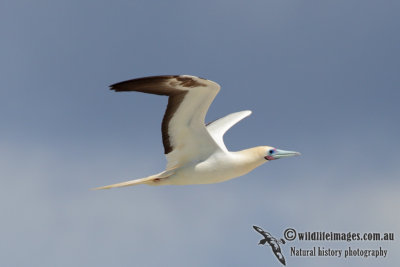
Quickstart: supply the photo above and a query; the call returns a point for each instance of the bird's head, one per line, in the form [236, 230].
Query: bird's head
[271, 153]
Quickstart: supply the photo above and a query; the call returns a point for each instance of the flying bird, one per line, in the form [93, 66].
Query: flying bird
[273, 242]
[195, 152]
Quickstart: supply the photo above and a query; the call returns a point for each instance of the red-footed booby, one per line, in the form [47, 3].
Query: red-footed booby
[195, 152]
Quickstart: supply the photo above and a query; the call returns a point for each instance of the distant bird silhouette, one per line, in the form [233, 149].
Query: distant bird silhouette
[273, 242]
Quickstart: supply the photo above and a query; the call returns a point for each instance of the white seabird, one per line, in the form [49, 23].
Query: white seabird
[195, 152]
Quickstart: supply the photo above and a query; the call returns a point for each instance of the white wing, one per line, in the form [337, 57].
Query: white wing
[184, 134]
[219, 127]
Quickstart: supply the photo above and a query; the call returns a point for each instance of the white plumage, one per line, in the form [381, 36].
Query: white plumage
[195, 152]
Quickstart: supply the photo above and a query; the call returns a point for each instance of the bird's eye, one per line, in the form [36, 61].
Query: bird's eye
[272, 151]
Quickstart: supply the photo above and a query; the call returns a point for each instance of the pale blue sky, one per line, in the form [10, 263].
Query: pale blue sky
[321, 77]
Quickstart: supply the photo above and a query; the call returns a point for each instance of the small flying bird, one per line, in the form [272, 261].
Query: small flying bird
[195, 152]
[273, 242]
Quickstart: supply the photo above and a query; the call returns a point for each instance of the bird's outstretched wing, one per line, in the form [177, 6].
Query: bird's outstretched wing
[184, 133]
[277, 251]
[219, 127]
[261, 231]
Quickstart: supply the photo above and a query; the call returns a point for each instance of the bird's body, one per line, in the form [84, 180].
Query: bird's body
[195, 152]
[219, 167]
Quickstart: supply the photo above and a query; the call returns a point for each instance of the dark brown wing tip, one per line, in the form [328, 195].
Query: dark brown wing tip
[124, 85]
[133, 84]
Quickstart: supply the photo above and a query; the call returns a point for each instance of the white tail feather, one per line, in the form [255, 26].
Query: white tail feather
[162, 175]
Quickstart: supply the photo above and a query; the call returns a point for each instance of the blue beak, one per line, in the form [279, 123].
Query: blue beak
[278, 153]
